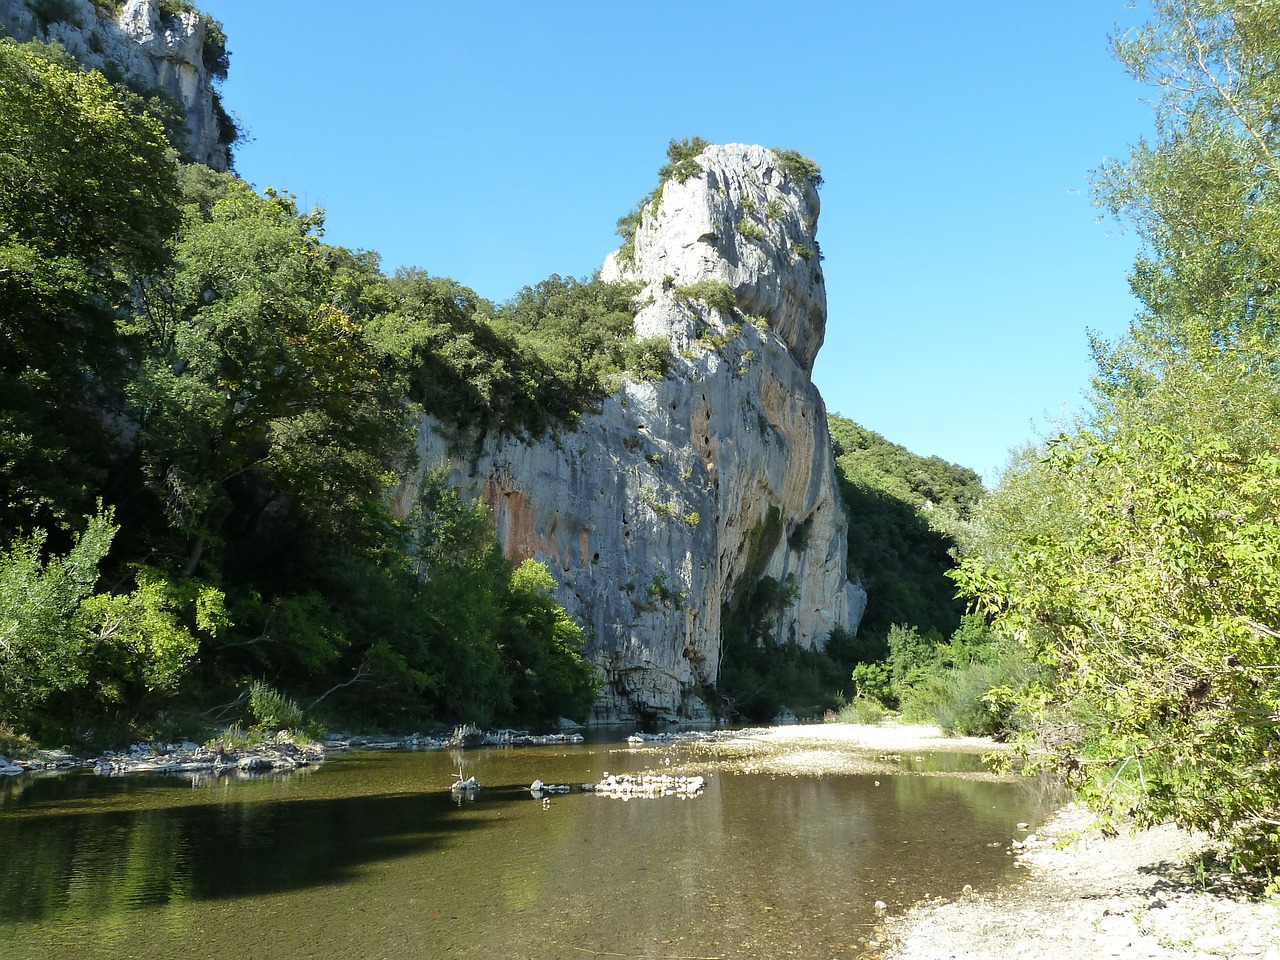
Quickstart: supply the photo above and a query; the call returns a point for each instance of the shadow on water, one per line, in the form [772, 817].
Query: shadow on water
[109, 859]
[372, 857]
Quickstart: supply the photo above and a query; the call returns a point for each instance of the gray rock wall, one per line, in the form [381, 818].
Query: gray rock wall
[657, 511]
[164, 54]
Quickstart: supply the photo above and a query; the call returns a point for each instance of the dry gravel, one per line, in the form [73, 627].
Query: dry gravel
[1129, 896]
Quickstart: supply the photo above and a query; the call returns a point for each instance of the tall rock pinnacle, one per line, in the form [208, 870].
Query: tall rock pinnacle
[660, 512]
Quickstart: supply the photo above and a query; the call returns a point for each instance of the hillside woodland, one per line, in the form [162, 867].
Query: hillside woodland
[204, 409]
[1136, 556]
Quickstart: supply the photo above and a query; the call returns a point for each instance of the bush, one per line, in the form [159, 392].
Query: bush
[798, 167]
[714, 293]
[871, 682]
[681, 163]
[862, 710]
[966, 685]
[647, 359]
[272, 710]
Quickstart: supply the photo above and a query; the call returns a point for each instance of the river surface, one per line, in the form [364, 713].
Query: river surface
[369, 856]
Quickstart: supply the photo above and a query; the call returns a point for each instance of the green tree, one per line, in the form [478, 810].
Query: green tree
[256, 383]
[1138, 558]
[898, 548]
[542, 650]
[73, 656]
[42, 643]
[87, 206]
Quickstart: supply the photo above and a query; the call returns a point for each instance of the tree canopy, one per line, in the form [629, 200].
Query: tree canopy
[88, 196]
[203, 410]
[1137, 554]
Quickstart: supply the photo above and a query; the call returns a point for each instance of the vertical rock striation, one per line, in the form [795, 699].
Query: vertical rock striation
[144, 48]
[660, 511]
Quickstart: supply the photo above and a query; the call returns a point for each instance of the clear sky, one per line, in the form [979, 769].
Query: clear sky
[498, 142]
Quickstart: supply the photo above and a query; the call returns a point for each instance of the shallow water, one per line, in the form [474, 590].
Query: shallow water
[369, 856]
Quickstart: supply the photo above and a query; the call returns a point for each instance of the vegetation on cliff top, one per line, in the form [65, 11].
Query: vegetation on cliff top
[682, 165]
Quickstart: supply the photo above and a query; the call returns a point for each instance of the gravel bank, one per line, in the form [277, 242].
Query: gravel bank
[1086, 895]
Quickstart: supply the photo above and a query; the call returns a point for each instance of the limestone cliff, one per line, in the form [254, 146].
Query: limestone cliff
[138, 43]
[659, 511]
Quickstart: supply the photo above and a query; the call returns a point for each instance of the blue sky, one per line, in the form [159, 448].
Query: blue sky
[498, 142]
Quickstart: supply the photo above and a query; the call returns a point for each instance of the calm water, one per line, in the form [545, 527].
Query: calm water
[370, 857]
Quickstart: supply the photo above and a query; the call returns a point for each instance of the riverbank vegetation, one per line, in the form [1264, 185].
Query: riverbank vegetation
[201, 406]
[1136, 556]
[1123, 576]
[911, 648]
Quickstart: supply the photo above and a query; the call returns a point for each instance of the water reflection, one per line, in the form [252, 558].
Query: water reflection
[372, 857]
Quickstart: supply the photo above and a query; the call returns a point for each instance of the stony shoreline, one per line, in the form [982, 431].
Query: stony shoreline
[1136, 896]
[277, 753]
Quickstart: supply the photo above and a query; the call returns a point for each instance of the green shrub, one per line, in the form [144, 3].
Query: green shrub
[647, 359]
[973, 699]
[681, 163]
[871, 682]
[216, 57]
[172, 9]
[714, 293]
[751, 230]
[862, 710]
[626, 228]
[798, 167]
[271, 710]
[233, 738]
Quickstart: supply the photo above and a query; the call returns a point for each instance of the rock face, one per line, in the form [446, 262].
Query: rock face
[145, 49]
[660, 512]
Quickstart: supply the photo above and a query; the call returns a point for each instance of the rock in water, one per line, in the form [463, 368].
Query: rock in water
[679, 495]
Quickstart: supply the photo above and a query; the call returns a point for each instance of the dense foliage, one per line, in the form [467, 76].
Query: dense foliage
[900, 506]
[201, 408]
[1137, 554]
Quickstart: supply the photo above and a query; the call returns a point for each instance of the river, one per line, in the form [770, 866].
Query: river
[370, 856]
